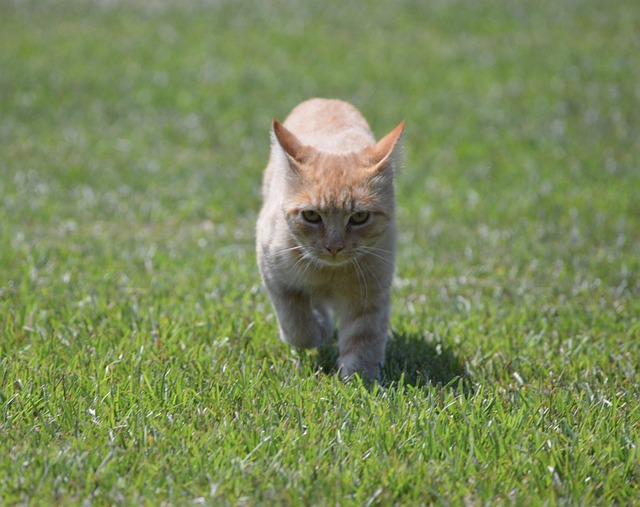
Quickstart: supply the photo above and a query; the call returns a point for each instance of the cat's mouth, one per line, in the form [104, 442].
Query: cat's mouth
[333, 260]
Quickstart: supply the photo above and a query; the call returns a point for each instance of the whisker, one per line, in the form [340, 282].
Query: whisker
[371, 274]
[298, 265]
[306, 266]
[373, 251]
[290, 249]
[362, 279]
[368, 248]
[304, 263]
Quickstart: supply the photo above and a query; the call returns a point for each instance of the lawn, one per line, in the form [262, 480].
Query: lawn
[139, 357]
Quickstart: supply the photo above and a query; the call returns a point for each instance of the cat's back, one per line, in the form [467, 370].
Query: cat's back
[330, 125]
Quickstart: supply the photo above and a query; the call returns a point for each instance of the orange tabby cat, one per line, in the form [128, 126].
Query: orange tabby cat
[326, 231]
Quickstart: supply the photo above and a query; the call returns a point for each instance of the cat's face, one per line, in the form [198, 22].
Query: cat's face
[338, 209]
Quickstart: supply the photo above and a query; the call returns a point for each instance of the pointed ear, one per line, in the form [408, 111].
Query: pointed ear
[294, 149]
[385, 149]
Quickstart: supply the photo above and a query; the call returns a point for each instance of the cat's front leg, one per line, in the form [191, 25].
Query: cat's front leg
[362, 340]
[303, 323]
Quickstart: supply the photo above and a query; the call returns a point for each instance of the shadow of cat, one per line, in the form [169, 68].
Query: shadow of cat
[411, 360]
[414, 361]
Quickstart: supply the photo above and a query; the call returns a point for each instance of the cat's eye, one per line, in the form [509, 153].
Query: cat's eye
[359, 217]
[313, 217]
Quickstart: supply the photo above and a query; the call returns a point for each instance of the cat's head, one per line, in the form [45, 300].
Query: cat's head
[339, 207]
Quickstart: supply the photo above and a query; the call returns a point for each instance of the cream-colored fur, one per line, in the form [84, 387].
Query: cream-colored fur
[326, 231]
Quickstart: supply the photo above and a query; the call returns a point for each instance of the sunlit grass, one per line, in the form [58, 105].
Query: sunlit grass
[139, 359]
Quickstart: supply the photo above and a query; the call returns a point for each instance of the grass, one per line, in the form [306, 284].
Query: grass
[139, 359]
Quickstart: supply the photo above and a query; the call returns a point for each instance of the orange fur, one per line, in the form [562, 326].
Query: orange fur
[326, 231]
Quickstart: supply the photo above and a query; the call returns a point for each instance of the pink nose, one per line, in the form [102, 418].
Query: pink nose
[334, 249]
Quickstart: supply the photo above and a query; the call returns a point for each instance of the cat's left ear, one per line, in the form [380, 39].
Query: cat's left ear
[383, 154]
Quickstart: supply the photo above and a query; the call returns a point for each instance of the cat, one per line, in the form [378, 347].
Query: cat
[325, 235]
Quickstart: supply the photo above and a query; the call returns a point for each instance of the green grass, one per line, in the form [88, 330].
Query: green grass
[139, 358]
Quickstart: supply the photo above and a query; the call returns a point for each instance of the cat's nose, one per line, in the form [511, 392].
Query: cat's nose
[333, 250]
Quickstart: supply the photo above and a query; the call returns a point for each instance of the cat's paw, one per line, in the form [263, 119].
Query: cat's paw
[349, 366]
[306, 340]
[307, 331]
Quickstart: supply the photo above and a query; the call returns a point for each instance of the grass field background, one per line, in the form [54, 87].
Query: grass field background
[139, 358]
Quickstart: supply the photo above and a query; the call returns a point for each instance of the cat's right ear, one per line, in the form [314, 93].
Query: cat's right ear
[386, 150]
[293, 148]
